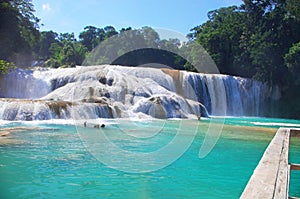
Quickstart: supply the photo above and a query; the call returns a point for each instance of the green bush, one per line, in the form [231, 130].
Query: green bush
[6, 67]
[51, 63]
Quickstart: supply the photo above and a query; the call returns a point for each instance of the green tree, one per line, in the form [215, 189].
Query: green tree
[151, 37]
[55, 49]
[80, 53]
[293, 8]
[91, 37]
[5, 67]
[109, 31]
[67, 54]
[18, 31]
[46, 40]
[125, 29]
[66, 37]
[221, 36]
[292, 60]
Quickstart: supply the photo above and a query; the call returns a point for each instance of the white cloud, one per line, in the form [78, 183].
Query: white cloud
[46, 7]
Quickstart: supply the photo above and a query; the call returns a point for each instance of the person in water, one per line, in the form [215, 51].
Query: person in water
[97, 126]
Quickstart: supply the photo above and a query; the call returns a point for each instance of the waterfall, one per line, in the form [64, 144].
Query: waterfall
[243, 97]
[108, 91]
[24, 84]
[28, 110]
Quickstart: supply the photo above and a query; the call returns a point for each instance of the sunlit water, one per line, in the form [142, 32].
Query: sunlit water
[52, 162]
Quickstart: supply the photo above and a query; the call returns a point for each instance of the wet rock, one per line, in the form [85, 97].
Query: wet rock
[104, 80]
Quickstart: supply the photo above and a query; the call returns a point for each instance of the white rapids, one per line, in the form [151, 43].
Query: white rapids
[108, 91]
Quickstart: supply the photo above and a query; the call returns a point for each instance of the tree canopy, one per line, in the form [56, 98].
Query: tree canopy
[18, 31]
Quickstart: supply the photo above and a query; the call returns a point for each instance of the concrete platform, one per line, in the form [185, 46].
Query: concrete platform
[270, 179]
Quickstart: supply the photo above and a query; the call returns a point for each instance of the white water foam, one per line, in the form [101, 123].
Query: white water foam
[129, 92]
[275, 124]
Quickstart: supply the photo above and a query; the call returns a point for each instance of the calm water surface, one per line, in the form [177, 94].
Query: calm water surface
[52, 162]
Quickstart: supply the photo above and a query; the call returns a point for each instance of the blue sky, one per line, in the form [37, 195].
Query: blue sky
[72, 16]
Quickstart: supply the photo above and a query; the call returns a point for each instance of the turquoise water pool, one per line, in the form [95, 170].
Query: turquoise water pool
[51, 161]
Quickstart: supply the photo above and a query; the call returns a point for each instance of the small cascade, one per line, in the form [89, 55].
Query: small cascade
[28, 110]
[169, 107]
[239, 96]
[195, 88]
[24, 84]
[116, 91]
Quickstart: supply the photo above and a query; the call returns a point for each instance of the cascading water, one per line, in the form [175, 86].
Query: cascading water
[24, 84]
[27, 110]
[244, 97]
[115, 91]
